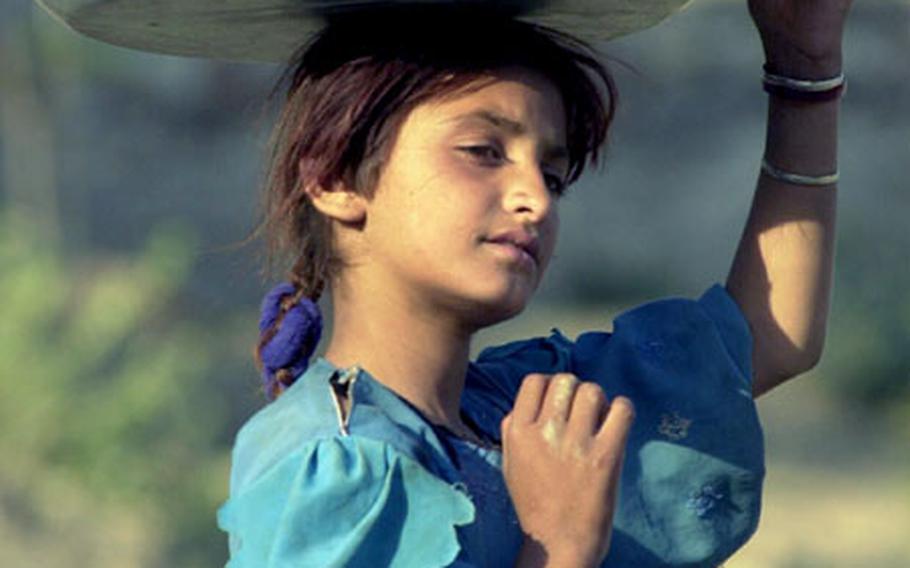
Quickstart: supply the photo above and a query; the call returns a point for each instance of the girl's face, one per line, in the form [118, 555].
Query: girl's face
[463, 171]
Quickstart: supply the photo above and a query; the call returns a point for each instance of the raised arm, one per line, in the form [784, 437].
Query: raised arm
[782, 271]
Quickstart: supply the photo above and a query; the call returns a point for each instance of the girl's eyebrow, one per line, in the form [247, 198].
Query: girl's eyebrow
[512, 127]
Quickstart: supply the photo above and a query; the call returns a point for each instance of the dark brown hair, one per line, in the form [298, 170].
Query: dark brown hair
[353, 84]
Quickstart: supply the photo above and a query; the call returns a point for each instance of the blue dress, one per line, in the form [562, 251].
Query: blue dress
[382, 486]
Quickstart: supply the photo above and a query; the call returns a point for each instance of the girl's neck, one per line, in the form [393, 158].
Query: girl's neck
[435, 389]
[420, 358]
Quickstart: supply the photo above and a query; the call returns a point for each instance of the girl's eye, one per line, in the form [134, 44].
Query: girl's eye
[557, 185]
[482, 151]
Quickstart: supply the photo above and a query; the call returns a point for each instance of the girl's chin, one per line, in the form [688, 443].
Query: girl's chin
[507, 305]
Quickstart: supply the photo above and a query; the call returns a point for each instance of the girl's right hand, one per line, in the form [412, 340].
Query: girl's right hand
[563, 445]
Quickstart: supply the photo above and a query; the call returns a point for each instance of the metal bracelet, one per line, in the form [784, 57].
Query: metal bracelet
[798, 179]
[804, 84]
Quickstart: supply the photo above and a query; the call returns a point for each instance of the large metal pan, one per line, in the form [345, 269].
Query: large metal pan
[269, 30]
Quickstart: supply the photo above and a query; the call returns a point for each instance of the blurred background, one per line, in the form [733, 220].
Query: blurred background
[127, 316]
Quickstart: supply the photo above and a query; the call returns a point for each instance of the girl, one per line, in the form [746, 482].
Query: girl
[416, 174]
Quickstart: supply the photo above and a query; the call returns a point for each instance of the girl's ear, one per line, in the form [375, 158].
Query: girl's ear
[338, 203]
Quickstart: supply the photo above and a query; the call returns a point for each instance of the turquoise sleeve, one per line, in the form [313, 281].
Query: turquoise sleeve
[345, 501]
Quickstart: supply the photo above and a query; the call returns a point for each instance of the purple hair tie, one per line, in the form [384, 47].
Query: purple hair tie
[291, 347]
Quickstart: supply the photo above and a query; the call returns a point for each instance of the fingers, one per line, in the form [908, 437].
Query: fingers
[558, 401]
[529, 399]
[589, 407]
[561, 402]
[620, 415]
[615, 429]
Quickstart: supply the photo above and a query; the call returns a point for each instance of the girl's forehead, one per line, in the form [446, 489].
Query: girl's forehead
[509, 100]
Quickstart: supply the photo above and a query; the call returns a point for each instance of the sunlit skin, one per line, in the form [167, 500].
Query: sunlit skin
[422, 280]
[781, 276]
[563, 398]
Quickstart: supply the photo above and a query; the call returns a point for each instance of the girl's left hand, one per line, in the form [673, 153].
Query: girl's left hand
[801, 38]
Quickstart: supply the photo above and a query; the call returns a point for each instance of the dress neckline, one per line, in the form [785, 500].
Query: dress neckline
[485, 442]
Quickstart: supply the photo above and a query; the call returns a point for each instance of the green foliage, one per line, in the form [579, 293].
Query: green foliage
[867, 354]
[103, 406]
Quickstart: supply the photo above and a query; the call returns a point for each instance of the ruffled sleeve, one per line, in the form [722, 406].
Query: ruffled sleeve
[690, 493]
[689, 351]
[344, 501]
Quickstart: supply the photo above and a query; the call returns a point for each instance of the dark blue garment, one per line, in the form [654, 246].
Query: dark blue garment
[384, 487]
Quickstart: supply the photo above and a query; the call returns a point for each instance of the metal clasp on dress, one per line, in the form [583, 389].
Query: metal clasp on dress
[341, 383]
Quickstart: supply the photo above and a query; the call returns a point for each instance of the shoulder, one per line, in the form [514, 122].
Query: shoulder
[649, 350]
[663, 348]
[345, 500]
[690, 334]
[305, 412]
[312, 488]
[309, 412]
[711, 325]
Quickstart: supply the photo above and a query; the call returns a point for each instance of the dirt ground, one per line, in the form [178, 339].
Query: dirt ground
[837, 492]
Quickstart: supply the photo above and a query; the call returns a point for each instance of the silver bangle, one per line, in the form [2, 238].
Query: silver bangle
[804, 85]
[798, 179]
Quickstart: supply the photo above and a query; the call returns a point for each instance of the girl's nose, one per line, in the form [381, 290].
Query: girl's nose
[528, 193]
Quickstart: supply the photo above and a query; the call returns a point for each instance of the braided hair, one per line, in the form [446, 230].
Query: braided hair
[290, 328]
[350, 88]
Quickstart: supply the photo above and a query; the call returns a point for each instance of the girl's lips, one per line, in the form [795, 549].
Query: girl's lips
[519, 238]
[513, 253]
